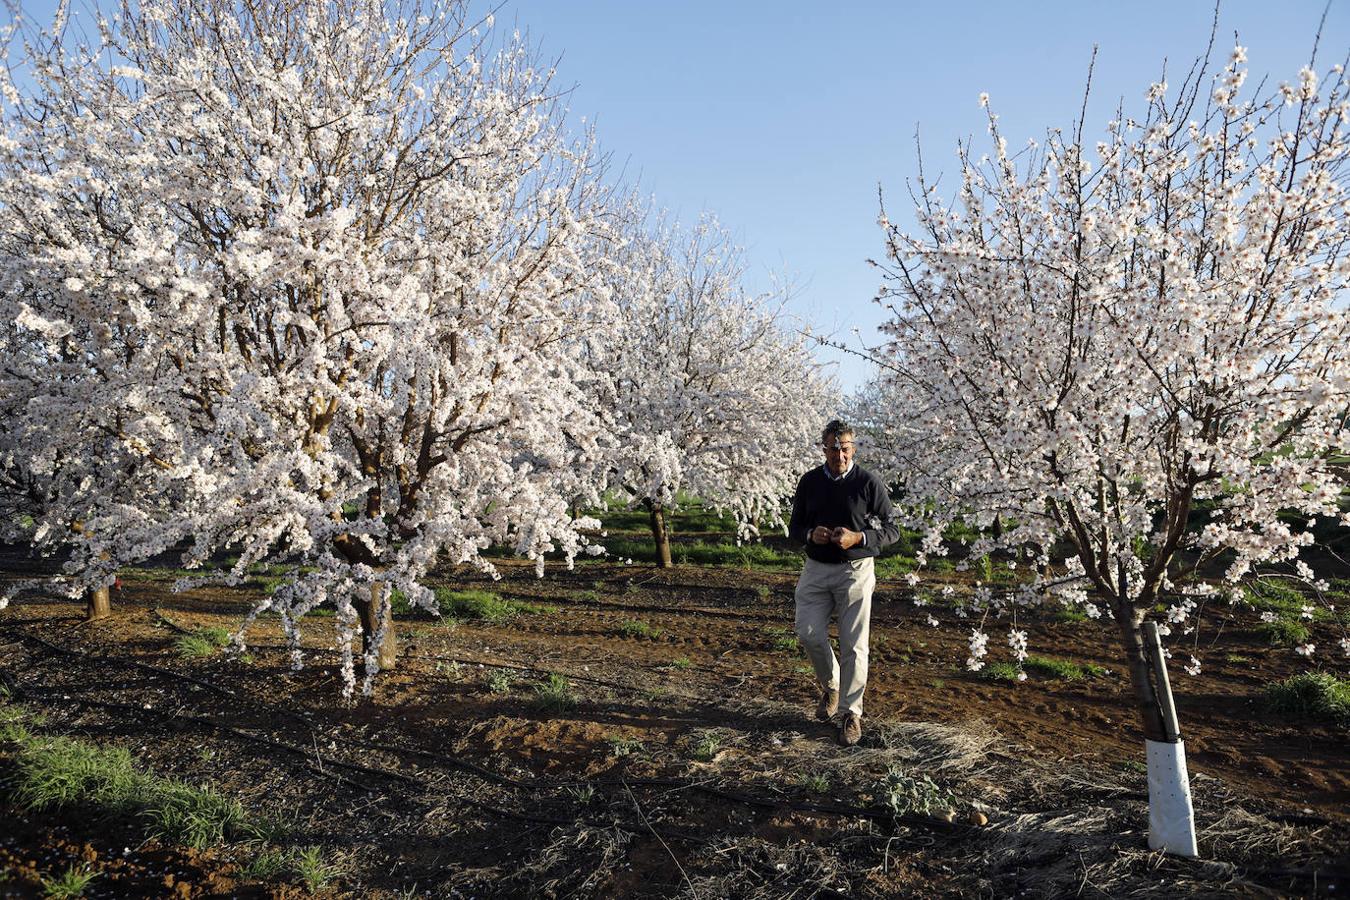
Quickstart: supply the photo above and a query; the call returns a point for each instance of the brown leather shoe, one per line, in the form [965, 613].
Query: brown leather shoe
[850, 732]
[829, 705]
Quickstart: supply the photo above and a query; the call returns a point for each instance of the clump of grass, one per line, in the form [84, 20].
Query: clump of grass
[269, 583]
[499, 681]
[1062, 669]
[1237, 658]
[1069, 614]
[202, 642]
[815, 783]
[56, 772]
[1283, 632]
[1273, 596]
[998, 671]
[681, 663]
[70, 883]
[1133, 766]
[268, 864]
[483, 606]
[1319, 696]
[906, 793]
[554, 694]
[312, 867]
[763, 591]
[783, 640]
[706, 746]
[639, 629]
[745, 556]
[621, 746]
[586, 596]
[583, 794]
[894, 566]
[198, 817]
[61, 772]
[13, 729]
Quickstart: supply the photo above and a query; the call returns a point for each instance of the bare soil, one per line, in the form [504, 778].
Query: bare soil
[685, 767]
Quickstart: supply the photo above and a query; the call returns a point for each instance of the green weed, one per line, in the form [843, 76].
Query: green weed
[554, 694]
[583, 793]
[681, 663]
[57, 772]
[706, 746]
[1283, 632]
[483, 606]
[202, 642]
[60, 772]
[311, 867]
[998, 671]
[1062, 669]
[1273, 596]
[894, 566]
[498, 681]
[71, 883]
[268, 864]
[783, 640]
[905, 793]
[1319, 696]
[817, 783]
[639, 629]
[198, 817]
[621, 746]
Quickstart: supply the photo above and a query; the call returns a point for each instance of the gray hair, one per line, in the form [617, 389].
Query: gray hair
[838, 428]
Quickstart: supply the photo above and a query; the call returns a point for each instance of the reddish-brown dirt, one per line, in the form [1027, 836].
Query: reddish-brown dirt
[643, 701]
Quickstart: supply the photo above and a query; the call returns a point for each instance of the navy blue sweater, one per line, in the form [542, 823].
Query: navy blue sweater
[858, 501]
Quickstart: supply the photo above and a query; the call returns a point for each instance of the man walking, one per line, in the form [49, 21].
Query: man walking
[842, 513]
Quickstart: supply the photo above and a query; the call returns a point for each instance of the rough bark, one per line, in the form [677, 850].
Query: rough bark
[369, 610]
[1141, 674]
[660, 534]
[97, 604]
[356, 552]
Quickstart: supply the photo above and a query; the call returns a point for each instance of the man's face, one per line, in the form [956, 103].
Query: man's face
[839, 450]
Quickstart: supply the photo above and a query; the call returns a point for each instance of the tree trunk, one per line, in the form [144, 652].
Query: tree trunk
[660, 534]
[387, 656]
[97, 605]
[1141, 674]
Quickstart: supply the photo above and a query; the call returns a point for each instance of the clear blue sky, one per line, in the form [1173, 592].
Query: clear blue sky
[783, 117]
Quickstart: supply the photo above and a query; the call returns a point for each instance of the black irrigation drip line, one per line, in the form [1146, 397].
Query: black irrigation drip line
[700, 611]
[525, 667]
[170, 673]
[203, 721]
[913, 820]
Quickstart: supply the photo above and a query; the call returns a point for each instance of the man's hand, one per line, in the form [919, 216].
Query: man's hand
[843, 538]
[821, 535]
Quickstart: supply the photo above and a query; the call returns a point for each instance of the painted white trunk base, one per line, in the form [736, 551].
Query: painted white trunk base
[1171, 820]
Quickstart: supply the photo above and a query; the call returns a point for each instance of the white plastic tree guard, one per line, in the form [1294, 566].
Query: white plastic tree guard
[1171, 818]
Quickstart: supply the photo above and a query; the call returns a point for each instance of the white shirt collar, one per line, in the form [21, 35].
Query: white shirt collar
[841, 476]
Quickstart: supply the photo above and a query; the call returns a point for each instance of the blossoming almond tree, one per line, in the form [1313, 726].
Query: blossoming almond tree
[1093, 340]
[312, 273]
[712, 394]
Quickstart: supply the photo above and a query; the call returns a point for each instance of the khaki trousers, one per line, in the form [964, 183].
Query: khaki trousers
[844, 589]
